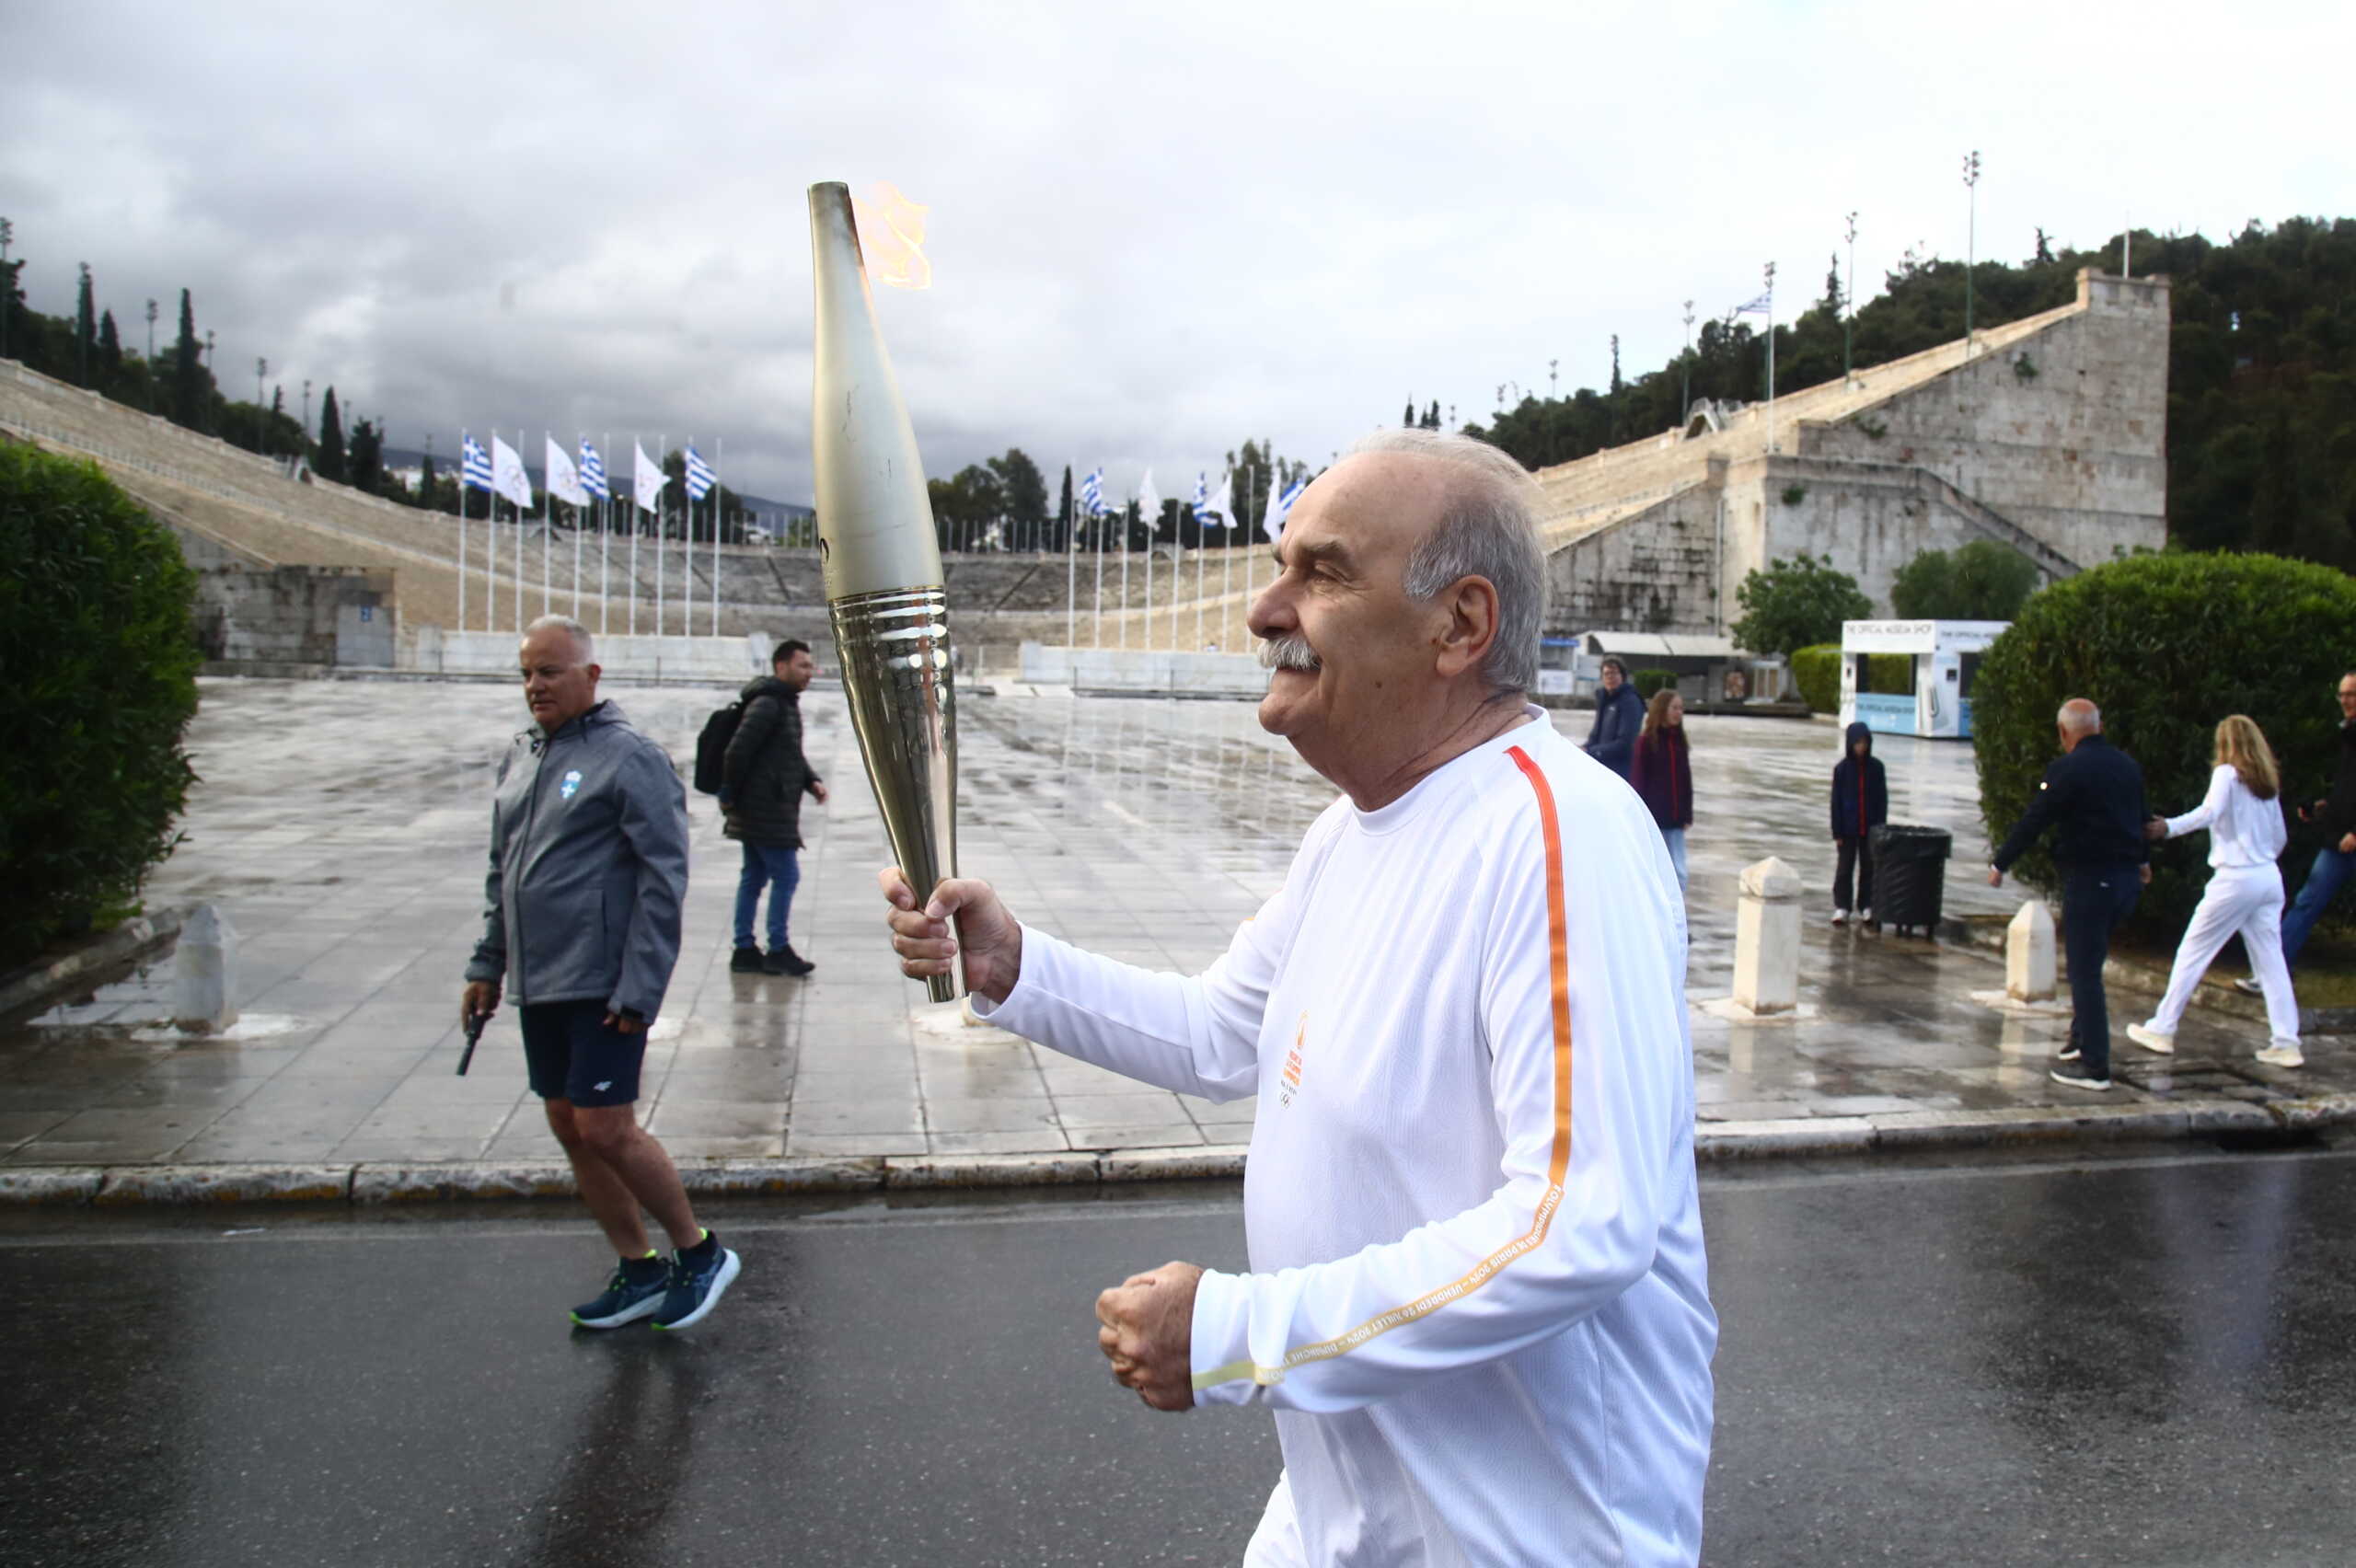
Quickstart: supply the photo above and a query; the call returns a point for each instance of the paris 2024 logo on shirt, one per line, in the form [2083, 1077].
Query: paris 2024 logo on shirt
[1288, 1083]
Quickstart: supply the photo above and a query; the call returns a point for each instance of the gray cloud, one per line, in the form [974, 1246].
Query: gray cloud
[1153, 234]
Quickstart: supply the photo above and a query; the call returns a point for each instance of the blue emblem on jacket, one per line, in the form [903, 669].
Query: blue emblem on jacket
[572, 782]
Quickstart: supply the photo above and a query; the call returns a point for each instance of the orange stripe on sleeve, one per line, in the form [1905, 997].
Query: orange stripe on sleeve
[1558, 1162]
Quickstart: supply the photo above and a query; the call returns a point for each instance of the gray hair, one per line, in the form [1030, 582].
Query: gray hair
[1488, 529]
[2080, 717]
[579, 633]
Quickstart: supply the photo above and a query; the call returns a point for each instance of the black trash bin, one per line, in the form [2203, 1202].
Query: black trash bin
[1910, 876]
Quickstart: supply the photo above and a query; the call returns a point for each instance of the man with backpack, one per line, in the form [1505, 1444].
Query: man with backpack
[763, 777]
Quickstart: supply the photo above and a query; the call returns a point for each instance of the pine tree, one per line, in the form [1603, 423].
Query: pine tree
[2044, 249]
[1067, 517]
[327, 457]
[425, 485]
[1618, 386]
[1832, 285]
[187, 369]
[1431, 416]
[1407, 420]
[367, 457]
[109, 348]
[85, 330]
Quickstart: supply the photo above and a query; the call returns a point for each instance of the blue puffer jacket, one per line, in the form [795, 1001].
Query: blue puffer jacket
[1860, 787]
[588, 868]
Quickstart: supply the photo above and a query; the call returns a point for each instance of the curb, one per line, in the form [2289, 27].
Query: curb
[35, 990]
[1713, 1142]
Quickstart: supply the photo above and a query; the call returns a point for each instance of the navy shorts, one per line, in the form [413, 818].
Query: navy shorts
[572, 1054]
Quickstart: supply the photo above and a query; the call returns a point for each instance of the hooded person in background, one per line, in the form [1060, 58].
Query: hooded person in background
[763, 778]
[1619, 718]
[1860, 805]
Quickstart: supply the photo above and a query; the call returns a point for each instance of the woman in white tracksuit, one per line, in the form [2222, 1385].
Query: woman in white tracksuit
[2244, 897]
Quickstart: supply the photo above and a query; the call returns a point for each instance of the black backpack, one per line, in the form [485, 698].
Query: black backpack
[711, 747]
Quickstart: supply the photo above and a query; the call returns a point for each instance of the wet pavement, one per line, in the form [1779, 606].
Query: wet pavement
[341, 826]
[2117, 1360]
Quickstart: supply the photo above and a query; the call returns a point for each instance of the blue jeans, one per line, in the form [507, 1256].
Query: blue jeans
[1675, 839]
[2093, 903]
[763, 866]
[2330, 872]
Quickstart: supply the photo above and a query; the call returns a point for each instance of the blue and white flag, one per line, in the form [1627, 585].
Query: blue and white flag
[1763, 306]
[593, 472]
[700, 479]
[1280, 507]
[1212, 511]
[1091, 494]
[475, 468]
[1202, 497]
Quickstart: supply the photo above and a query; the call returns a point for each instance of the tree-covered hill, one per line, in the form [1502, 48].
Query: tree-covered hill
[2262, 374]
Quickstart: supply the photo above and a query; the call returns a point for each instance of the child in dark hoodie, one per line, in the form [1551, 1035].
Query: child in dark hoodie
[1860, 805]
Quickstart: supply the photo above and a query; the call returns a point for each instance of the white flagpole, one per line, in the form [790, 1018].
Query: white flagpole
[605, 540]
[578, 519]
[1152, 536]
[1227, 571]
[519, 549]
[662, 529]
[1201, 566]
[1124, 577]
[547, 538]
[462, 530]
[1071, 577]
[1098, 542]
[719, 456]
[635, 447]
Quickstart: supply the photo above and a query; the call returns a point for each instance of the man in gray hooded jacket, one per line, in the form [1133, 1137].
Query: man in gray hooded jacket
[588, 870]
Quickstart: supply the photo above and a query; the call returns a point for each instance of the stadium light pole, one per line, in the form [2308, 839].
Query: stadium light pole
[7, 284]
[306, 410]
[82, 339]
[1554, 386]
[1971, 239]
[1685, 391]
[1849, 315]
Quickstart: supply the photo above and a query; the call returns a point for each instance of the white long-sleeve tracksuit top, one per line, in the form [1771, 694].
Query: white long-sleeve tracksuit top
[1479, 1302]
[2244, 833]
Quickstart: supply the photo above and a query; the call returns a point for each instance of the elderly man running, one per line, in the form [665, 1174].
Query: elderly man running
[1478, 1302]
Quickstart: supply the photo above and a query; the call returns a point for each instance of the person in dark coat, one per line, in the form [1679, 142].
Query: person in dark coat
[1860, 805]
[2335, 862]
[763, 778]
[1662, 771]
[2093, 797]
[1619, 717]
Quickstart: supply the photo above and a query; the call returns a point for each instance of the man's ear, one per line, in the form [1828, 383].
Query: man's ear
[1471, 628]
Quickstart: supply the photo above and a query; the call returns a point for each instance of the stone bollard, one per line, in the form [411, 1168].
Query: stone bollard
[204, 988]
[2028, 955]
[1767, 937]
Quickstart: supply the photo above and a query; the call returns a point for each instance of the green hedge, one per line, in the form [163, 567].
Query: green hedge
[1647, 682]
[2167, 645]
[1817, 672]
[99, 681]
[1890, 674]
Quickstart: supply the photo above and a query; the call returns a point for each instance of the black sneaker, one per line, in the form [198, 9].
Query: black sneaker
[636, 1290]
[696, 1286]
[745, 961]
[785, 960]
[2067, 1053]
[2075, 1076]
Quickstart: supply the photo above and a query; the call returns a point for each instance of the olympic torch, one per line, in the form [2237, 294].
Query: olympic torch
[881, 564]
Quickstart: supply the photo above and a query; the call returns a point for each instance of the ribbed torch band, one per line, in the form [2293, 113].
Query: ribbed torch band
[896, 665]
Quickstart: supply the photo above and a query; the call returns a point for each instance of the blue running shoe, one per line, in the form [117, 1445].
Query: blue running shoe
[696, 1286]
[635, 1291]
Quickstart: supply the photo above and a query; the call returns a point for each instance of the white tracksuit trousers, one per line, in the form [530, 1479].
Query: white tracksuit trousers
[2247, 899]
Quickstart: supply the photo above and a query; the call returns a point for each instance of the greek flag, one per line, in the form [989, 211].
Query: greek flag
[1091, 494]
[1763, 306]
[1195, 507]
[700, 479]
[1280, 507]
[476, 470]
[593, 472]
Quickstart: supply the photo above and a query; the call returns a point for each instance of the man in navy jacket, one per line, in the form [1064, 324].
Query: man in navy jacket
[1619, 718]
[2092, 795]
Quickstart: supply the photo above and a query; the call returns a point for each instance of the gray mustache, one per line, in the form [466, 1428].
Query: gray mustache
[1288, 652]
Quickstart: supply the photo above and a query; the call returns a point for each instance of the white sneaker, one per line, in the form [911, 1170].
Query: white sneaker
[1864, 916]
[2248, 986]
[2152, 1039]
[1840, 916]
[2282, 1057]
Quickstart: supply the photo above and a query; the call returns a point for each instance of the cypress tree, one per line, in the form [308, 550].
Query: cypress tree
[327, 456]
[86, 328]
[425, 483]
[109, 348]
[188, 371]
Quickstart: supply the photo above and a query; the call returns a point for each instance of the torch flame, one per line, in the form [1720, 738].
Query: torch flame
[891, 237]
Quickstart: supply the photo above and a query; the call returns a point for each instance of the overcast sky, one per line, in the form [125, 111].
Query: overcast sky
[1152, 235]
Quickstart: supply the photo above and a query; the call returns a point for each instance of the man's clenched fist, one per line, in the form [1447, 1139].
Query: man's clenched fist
[1148, 1333]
